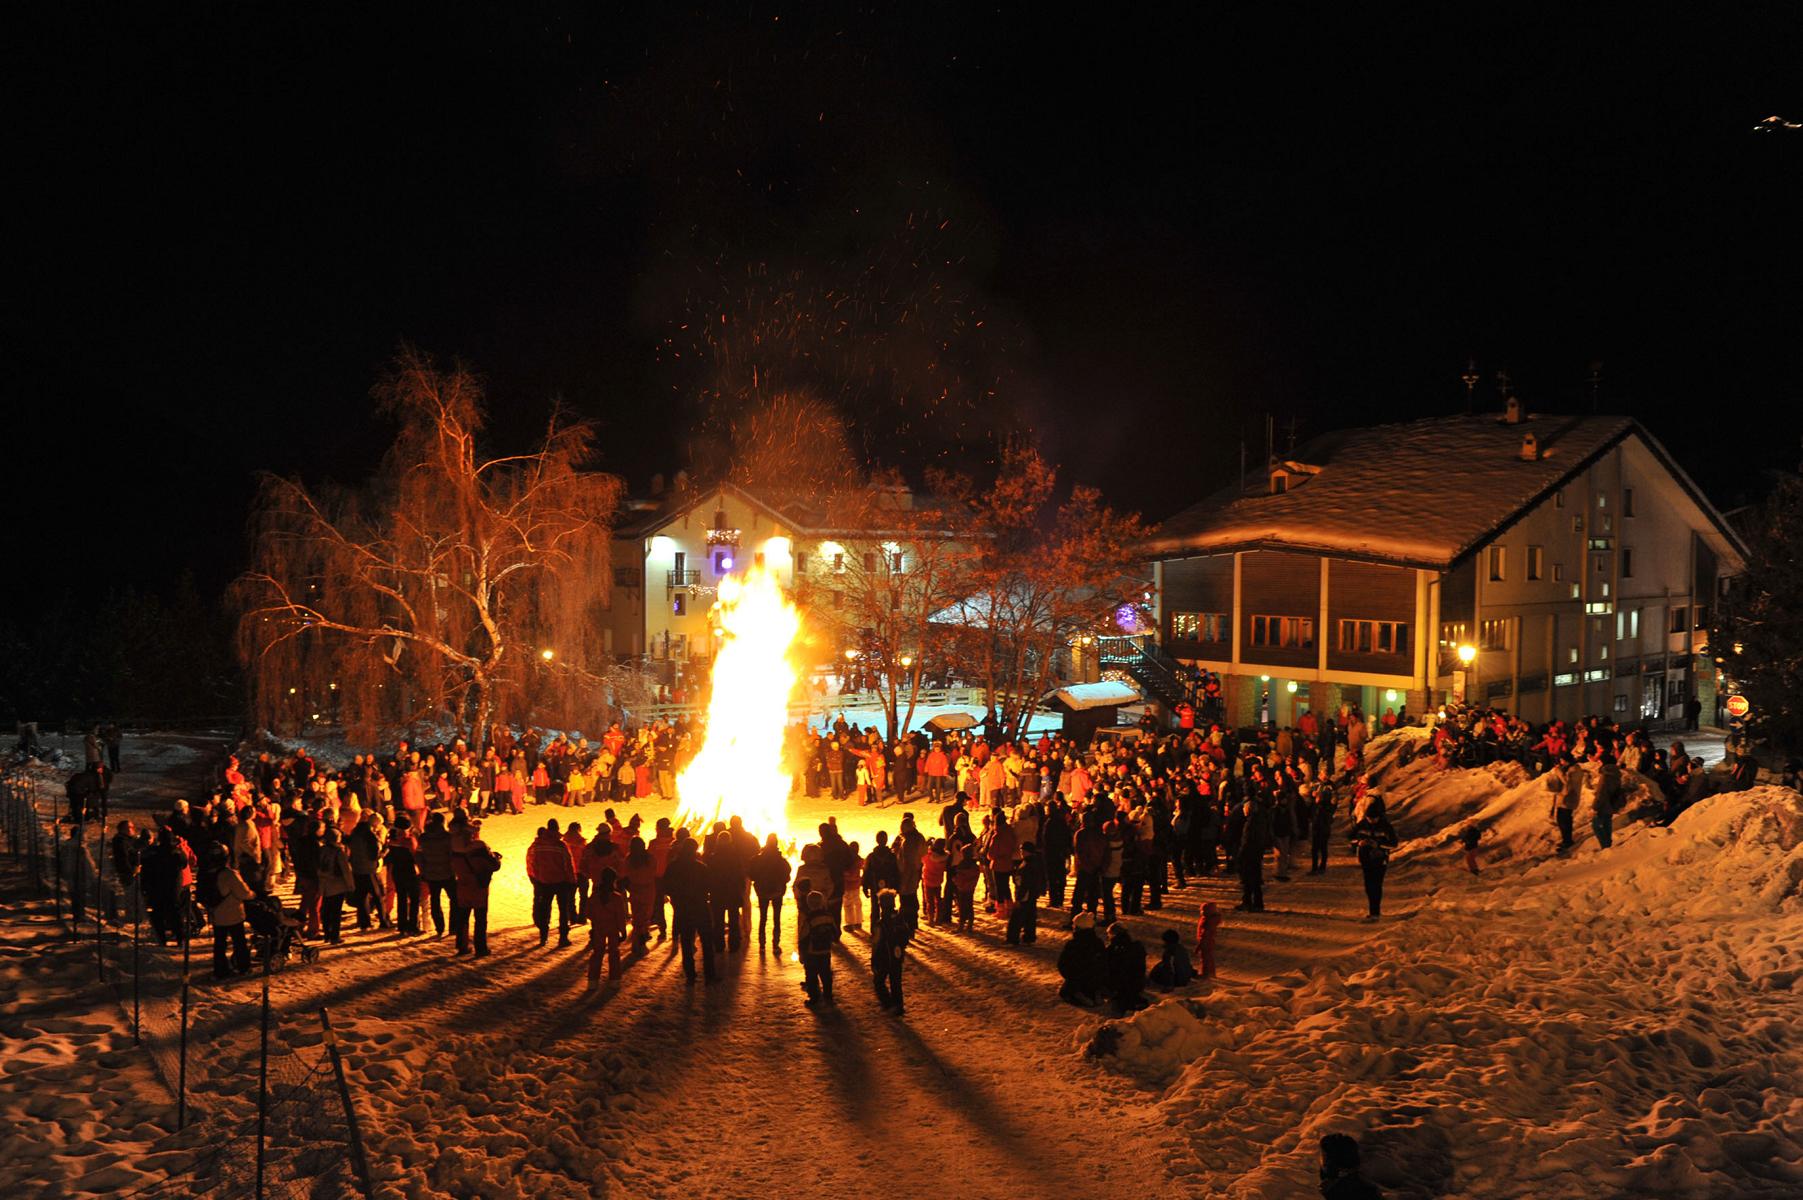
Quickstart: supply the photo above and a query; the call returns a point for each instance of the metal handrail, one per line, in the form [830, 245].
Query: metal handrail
[678, 579]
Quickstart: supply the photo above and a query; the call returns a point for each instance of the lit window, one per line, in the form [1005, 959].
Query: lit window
[1292, 632]
[679, 604]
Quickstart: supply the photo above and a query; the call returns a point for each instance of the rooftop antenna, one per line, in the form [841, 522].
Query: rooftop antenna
[1504, 384]
[1270, 439]
[1291, 425]
[1242, 459]
[1595, 379]
[1469, 379]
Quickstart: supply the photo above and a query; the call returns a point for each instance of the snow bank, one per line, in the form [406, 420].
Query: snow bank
[1615, 1023]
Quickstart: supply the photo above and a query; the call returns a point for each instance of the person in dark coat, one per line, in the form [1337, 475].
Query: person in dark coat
[434, 855]
[403, 866]
[1029, 885]
[1605, 801]
[1083, 964]
[1174, 968]
[1250, 857]
[726, 879]
[1373, 837]
[1126, 970]
[881, 869]
[770, 872]
[1340, 1178]
[889, 934]
[1055, 840]
[686, 884]
[1320, 827]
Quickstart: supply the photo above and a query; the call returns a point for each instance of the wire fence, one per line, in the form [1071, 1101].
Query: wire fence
[299, 1136]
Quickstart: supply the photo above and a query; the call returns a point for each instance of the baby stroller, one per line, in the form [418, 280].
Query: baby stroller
[276, 933]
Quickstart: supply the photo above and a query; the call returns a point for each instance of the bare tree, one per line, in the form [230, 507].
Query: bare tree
[1041, 573]
[442, 585]
[903, 567]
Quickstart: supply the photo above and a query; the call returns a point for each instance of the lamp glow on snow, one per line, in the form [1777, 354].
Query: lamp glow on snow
[739, 768]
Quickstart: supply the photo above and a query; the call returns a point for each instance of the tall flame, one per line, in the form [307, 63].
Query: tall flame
[739, 768]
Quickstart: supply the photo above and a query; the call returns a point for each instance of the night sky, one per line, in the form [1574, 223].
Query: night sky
[1168, 227]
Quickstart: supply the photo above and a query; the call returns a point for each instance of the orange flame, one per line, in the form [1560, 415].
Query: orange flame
[739, 768]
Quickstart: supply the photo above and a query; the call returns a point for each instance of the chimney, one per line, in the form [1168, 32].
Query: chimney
[657, 484]
[1512, 412]
[1530, 446]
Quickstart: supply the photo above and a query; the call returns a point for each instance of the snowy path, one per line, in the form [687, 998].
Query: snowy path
[660, 1087]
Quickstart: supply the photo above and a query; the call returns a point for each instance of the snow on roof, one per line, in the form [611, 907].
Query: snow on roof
[1422, 493]
[1081, 696]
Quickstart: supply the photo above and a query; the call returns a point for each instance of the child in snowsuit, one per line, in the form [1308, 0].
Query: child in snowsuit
[932, 880]
[607, 928]
[817, 935]
[964, 879]
[889, 940]
[1207, 929]
[854, 889]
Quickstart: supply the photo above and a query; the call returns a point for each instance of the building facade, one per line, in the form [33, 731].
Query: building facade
[1552, 566]
[672, 550]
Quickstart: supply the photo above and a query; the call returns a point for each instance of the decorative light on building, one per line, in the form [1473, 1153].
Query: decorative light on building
[1290, 687]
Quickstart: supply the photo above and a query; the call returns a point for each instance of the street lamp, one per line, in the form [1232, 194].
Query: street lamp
[547, 654]
[907, 661]
[1467, 652]
[851, 655]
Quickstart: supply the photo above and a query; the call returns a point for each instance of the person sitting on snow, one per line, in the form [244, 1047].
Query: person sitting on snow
[1083, 963]
[1174, 968]
[1340, 1178]
[1126, 970]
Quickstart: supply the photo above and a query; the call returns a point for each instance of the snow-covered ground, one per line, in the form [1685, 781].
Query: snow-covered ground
[1612, 1023]
[1605, 1024]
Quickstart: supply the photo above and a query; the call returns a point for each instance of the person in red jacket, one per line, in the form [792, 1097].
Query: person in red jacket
[553, 876]
[938, 769]
[607, 928]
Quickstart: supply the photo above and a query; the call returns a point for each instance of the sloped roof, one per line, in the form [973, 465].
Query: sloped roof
[807, 512]
[1423, 493]
[1079, 697]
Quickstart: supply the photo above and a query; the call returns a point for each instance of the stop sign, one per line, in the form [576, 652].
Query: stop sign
[1738, 706]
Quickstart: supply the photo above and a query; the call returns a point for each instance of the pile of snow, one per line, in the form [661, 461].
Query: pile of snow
[1615, 1023]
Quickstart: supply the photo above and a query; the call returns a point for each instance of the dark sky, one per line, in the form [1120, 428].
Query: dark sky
[1168, 226]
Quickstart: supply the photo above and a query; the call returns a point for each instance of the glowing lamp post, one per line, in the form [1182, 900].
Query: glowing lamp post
[1464, 678]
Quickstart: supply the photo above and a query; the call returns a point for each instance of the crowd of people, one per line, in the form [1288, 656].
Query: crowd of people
[1015, 826]
[1011, 827]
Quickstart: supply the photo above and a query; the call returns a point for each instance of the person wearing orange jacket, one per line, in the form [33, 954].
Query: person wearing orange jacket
[553, 876]
[607, 928]
[641, 892]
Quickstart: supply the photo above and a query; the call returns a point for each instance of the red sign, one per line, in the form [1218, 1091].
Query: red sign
[1738, 706]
